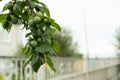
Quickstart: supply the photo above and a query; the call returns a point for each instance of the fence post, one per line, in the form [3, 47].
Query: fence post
[41, 73]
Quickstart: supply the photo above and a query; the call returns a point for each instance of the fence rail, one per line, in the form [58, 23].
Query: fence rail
[107, 73]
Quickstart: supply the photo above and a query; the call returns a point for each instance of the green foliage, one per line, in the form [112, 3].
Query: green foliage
[43, 48]
[55, 45]
[1, 78]
[14, 20]
[67, 47]
[117, 45]
[35, 17]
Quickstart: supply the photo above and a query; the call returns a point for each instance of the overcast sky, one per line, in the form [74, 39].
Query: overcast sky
[102, 18]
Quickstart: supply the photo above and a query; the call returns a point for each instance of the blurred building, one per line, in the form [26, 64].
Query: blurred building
[10, 41]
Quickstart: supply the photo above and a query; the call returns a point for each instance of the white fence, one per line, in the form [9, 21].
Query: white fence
[92, 69]
[11, 68]
[106, 73]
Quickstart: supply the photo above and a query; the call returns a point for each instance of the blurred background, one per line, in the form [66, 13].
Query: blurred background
[89, 40]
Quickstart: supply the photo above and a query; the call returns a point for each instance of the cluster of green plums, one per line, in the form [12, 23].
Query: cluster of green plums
[36, 19]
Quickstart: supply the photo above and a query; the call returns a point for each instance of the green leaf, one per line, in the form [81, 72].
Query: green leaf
[22, 4]
[42, 4]
[7, 6]
[53, 31]
[3, 17]
[28, 34]
[40, 32]
[14, 20]
[28, 60]
[7, 25]
[40, 25]
[27, 51]
[32, 3]
[39, 8]
[36, 1]
[55, 25]
[25, 15]
[48, 19]
[47, 30]
[46, 10]
[55, 45]
[50, 63]
[17, 9]
[36, 62]
[43, 48]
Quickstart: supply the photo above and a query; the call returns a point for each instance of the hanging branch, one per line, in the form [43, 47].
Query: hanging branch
[36, 19]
